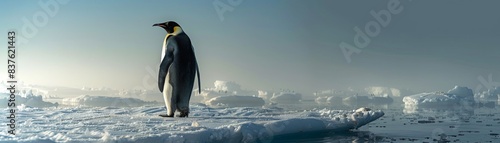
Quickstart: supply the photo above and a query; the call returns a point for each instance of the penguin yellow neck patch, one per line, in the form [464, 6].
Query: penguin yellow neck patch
[177, 30]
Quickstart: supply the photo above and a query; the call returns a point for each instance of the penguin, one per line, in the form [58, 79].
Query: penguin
[177, 70]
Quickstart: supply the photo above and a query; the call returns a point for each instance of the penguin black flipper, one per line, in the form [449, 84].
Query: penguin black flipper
[197, 72]
[165, 64]
[198, 75]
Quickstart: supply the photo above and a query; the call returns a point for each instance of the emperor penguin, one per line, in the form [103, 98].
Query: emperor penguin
[177, 70]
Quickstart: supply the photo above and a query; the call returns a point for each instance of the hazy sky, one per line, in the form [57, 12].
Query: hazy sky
[261, 44]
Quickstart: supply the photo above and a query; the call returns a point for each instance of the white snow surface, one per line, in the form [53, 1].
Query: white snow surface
[456, 96]
[142, 124]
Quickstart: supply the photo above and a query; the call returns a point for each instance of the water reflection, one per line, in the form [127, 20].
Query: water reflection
[471, 123]
[443, 110]
[345, 137]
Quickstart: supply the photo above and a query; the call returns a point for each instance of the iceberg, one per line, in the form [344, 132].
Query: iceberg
[456, 96]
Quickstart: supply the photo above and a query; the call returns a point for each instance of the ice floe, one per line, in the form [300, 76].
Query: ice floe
[142, 124]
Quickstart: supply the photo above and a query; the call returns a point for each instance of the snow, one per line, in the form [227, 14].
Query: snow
[142, 124]
[286, 97]
[456, 96]
[104, 101]
[87, 118]
[236, 101]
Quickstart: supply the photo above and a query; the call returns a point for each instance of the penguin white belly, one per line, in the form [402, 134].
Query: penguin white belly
[164, 48]
[167, 95]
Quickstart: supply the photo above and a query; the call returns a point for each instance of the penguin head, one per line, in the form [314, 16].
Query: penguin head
[170, 27]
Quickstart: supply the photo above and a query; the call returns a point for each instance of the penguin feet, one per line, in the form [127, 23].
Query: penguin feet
[166, 115]
[184, 114]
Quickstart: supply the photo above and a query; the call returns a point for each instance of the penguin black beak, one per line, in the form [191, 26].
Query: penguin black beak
[158, 24]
